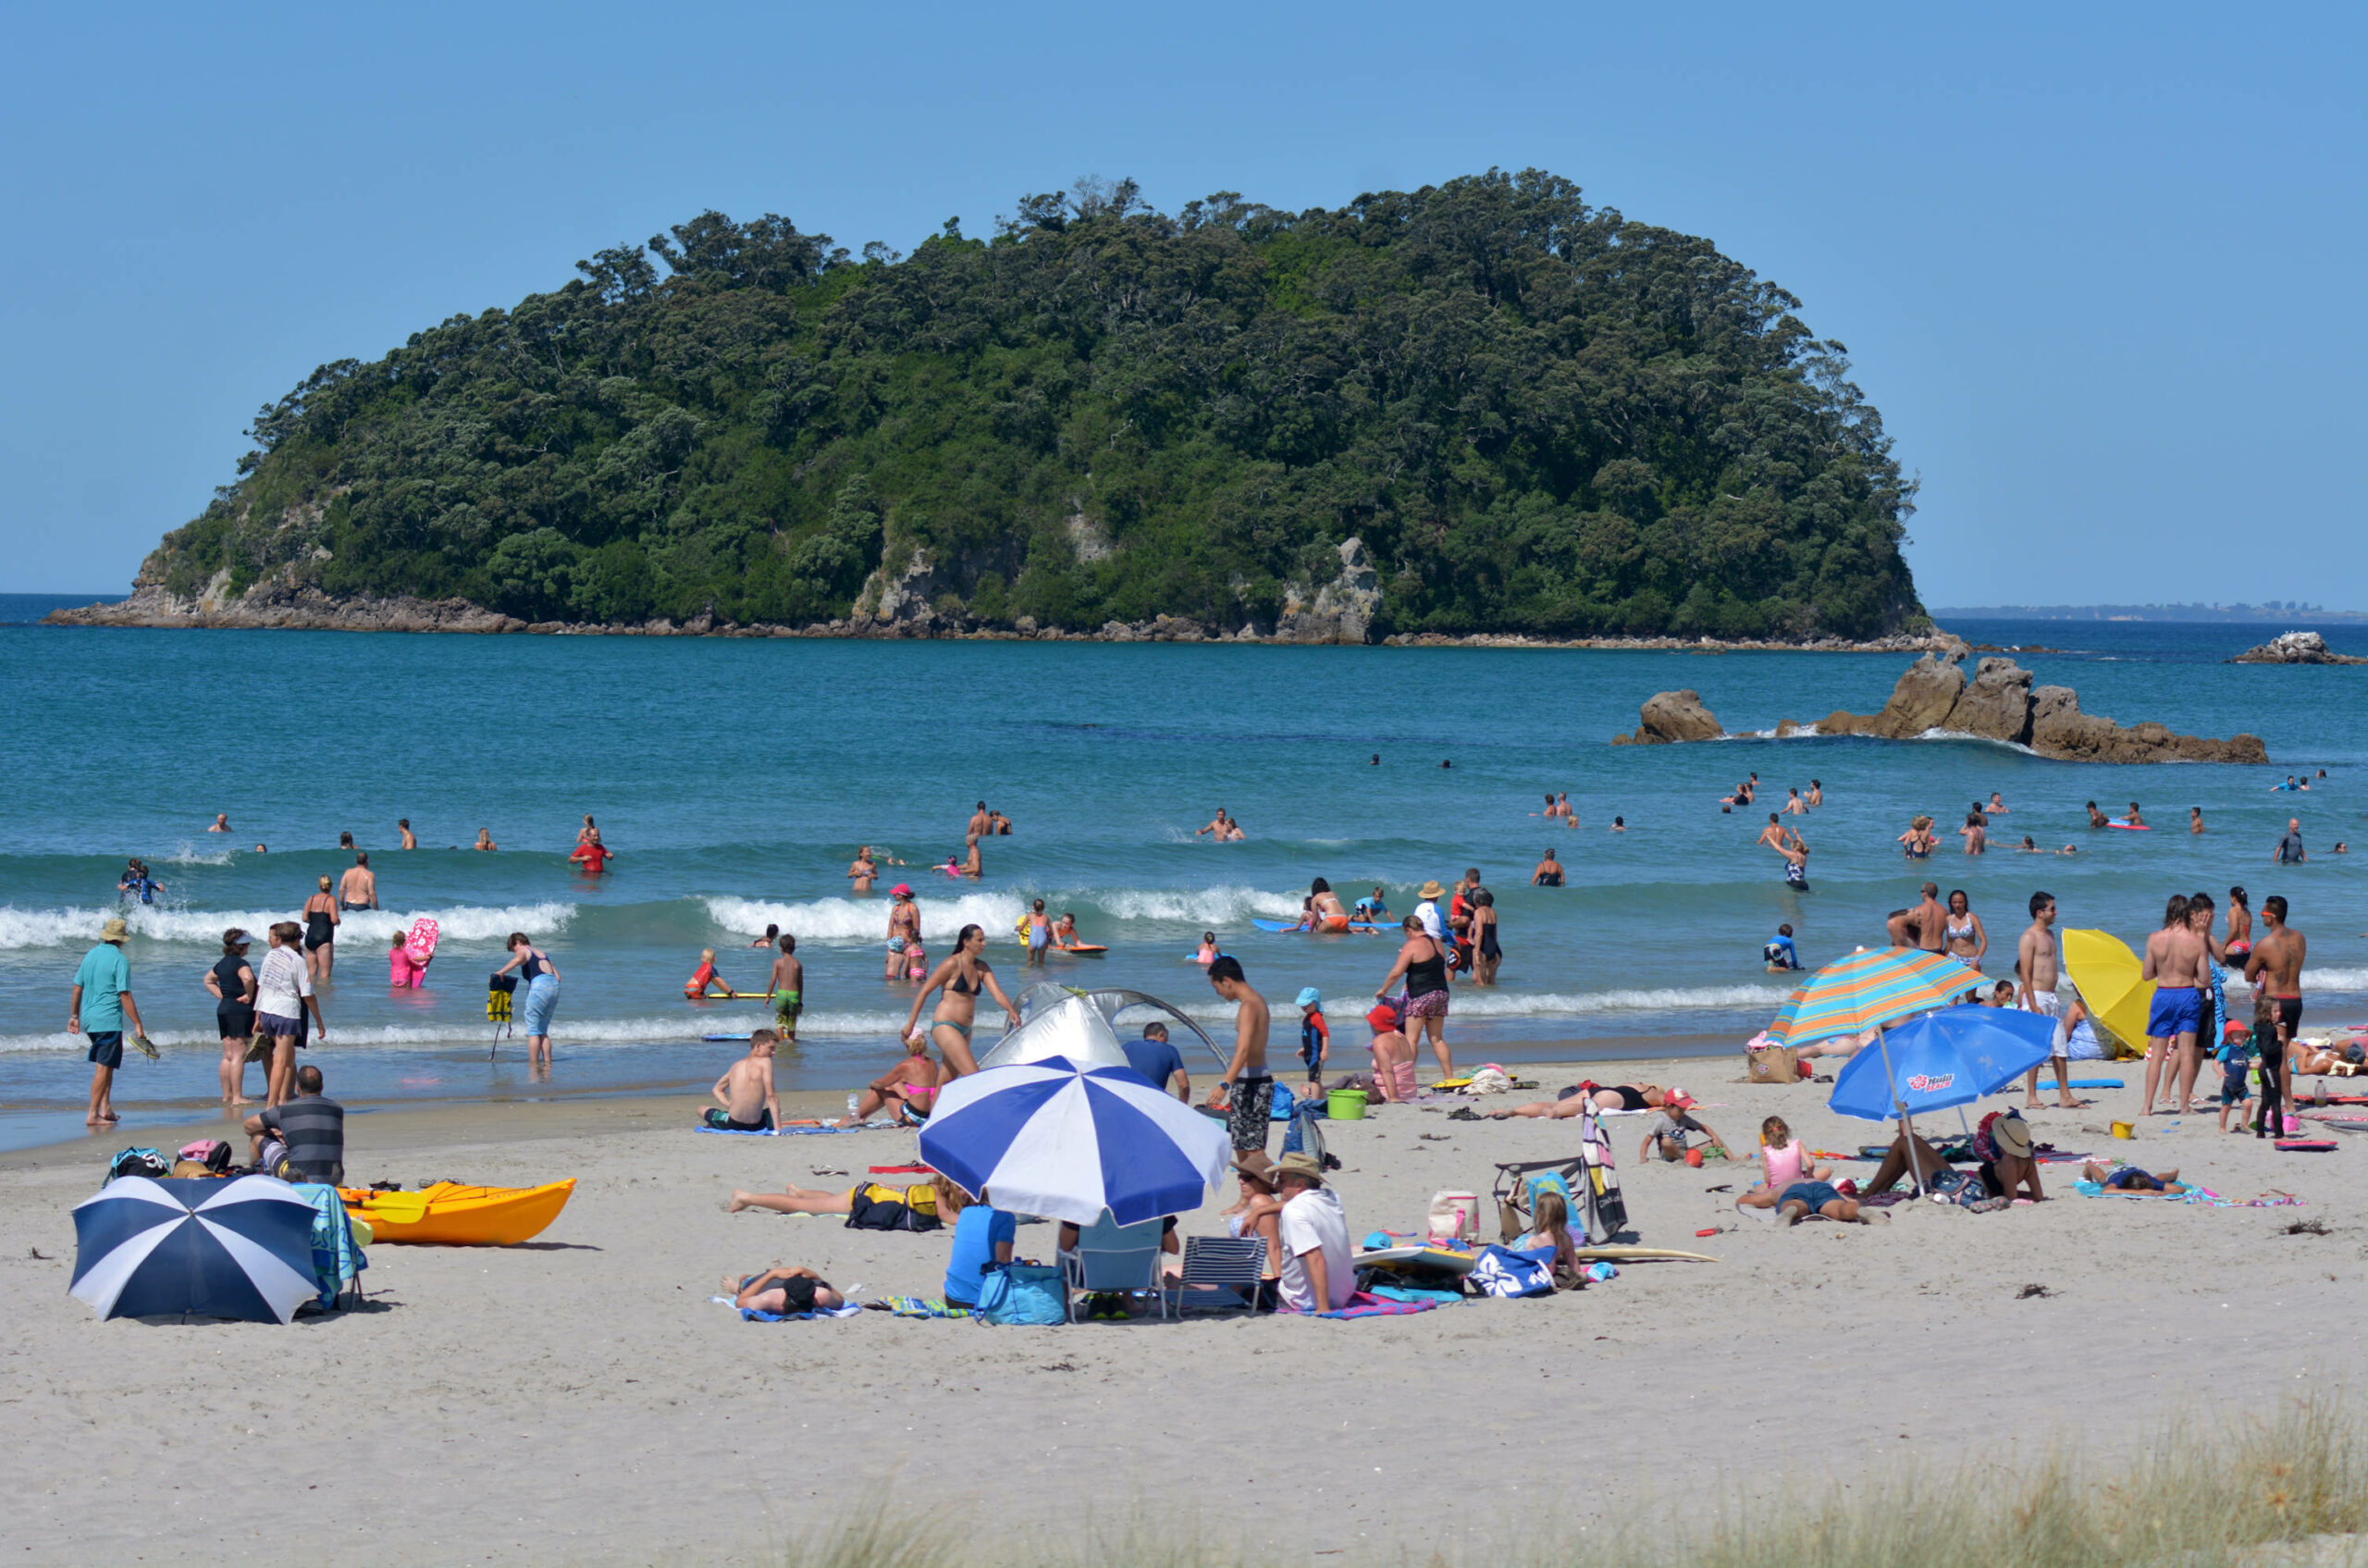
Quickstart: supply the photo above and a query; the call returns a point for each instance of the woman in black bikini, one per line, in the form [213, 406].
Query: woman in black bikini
[320, 920]
[959, 980]
[1424, 963]
[1487, 955]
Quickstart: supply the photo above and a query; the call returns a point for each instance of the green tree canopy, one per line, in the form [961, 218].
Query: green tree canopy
[1538, 416]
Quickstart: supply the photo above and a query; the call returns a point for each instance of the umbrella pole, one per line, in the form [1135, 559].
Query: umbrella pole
[1906, 1126]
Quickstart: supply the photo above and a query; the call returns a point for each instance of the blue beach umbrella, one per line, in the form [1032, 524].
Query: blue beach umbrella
[239, 1249]
[1052, 1138]
[1951, 1057]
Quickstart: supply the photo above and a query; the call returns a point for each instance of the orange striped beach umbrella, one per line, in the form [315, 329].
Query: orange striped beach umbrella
[1868, 989]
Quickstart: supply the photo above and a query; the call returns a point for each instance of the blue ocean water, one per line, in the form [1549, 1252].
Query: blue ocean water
[735, 778]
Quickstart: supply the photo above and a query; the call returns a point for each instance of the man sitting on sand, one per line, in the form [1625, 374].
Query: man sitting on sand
[746, 1100]
[786, 1293]
[2129, 1178]
[1319, 1273]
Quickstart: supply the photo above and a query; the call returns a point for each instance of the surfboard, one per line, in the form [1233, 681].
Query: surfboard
[1637, 1254]
[421, 943]
[1294, 928]
[1440, 1258]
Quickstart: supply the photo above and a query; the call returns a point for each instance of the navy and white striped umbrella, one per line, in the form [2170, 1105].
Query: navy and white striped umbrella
[1053, 1139]
[239, 1249]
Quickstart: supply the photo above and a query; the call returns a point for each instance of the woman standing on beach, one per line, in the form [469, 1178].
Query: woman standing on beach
[320, 920]
[1423, 964]
[904, 928]
[959, 981]
[534, 966]
[1961, 930]
[233, 984]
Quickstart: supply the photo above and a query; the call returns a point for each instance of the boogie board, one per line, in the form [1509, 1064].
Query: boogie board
[421, 943]
[1084, 950]
[731, 996]
[2132, 827]
[1293, 927]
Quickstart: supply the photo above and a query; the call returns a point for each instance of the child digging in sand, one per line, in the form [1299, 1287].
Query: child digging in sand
[1784, 1164]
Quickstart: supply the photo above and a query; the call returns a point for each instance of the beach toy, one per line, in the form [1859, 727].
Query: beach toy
[1707, 1230]
[454, 1216]
[2124, 1130]
[1346, 1105]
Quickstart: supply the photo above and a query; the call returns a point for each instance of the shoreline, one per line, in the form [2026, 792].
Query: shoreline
[313, 612]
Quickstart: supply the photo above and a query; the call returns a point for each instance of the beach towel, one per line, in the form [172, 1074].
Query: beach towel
[794, 1130]
[1414, 1293]
[921, 1306]
[2200, 1195]
[750, 1315]
[1364, 1304]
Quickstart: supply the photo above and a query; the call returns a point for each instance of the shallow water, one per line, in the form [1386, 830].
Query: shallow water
[735, 778]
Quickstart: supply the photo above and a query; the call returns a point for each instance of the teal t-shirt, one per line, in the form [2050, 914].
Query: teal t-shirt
[104, 975]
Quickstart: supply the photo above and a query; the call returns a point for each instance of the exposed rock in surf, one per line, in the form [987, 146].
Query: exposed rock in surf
[1668, 717]
[2296, 648]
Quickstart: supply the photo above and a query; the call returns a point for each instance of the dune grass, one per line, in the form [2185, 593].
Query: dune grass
[2236, 1491]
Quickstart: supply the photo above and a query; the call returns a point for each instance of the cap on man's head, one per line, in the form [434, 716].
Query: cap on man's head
[1678, 1099]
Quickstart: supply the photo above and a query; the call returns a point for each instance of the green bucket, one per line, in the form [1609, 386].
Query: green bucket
[1345, 1104]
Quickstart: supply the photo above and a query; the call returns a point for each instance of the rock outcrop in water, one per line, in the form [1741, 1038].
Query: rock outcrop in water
[2296, 648]
[1998, 703]
[1668, 717]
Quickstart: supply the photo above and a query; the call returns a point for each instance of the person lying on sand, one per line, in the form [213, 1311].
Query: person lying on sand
[787, 1291]
[2129, 1178]
[921, 1198]
[1617, 1097]
[1928, 1162]
[1803, 1199]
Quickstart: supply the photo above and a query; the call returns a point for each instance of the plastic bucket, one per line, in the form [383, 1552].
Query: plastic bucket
[1345, 1104]
[2124, 1130]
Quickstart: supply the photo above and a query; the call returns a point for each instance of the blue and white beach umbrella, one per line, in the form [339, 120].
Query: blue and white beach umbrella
[239, 1249]
[1051, 1138]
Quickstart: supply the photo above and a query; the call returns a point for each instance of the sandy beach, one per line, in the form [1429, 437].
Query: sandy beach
[580, 1399]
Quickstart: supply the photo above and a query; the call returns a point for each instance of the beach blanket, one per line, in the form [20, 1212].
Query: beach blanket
[1416, 1293]
[1364, 1304]
[919, 1306]
[794, 1130]
[2200, 1195]
[750, 1315]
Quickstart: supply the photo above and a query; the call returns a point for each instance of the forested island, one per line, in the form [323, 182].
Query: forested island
[1483, 407]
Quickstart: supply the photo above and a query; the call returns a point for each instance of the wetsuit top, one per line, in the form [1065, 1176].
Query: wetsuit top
[233, 1009]
[1780, 950]
[1370, 910]
[1426, 975]
[1314, 1034]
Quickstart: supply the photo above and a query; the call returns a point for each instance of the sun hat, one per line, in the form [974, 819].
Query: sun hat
[115, 930]
[1304, 1166]
[1256, 1166]
[2012, 1134]
[1431, 889]
[1309, 997]
[902, 890]
[1382, 1018]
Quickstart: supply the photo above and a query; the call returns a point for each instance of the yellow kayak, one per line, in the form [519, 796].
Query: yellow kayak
[461, 1216]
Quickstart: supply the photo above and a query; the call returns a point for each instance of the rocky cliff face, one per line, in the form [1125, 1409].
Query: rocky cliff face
[2000, 704]
[286, 607]
[2296, 648]
[1668, 717]
[1341, 611]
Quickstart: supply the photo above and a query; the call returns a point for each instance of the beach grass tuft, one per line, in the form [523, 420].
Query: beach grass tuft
[2232, 1492]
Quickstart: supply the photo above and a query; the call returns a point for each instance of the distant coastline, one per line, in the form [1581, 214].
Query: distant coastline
[2249, 614]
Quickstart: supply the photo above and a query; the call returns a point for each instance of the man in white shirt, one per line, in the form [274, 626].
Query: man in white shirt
[1318, 1268]
[1428, 911]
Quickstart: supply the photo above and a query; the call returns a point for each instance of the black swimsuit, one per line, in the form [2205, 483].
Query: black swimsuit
[318, 933]
[1551, 879]
[1425, 975]
[235, 1018]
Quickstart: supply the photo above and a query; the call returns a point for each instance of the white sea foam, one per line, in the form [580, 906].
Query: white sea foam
[1193, 906]
[689, 1028]
[55, 927]
[866, 920]
[2335, 980]
[189, 854]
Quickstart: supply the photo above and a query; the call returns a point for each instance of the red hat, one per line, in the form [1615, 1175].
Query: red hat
[1384, 1018]
[1678, 1100]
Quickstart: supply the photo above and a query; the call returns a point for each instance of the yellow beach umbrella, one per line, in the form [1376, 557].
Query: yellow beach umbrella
[2105, 968]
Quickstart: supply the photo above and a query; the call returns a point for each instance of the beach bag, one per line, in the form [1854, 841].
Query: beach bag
[139, 1162]
[1503, 1272]
[212, 1153]
[1020, 1293]
[1283, 1102]
[1777, 1064]
[1455, 1216]
[1304, 1137]
[868, 1213]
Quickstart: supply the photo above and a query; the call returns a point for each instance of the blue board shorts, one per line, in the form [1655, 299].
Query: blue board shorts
[106, 1047]
[1817, 1194]
[2178, 1009]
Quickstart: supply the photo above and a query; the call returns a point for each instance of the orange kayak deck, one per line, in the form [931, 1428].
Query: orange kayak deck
[445, 1215]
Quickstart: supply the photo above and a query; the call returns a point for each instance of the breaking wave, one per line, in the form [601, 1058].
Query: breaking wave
[58, 928]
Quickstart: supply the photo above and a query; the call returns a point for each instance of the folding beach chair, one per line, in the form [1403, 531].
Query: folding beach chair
[1590, 1181]
[1114, 1257]
[1222, 1273]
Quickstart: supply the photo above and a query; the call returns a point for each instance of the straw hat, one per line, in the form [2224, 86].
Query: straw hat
[2012, 1134]
[1432, 890]
[1304, 1166]
[115, 930]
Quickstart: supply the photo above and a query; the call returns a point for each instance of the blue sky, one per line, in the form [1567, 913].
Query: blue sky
[2100, 272]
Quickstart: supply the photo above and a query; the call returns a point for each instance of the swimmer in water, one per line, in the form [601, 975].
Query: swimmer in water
[864, 870]
[221, 824]
[1794, 806]
[1618, 824]
[2133, 820]
[1816, 793]
[971, 866]
[2096, 817]
[1064, 936]
[1208, 950]
[2028, 847]
[1218, 826]
[1997, 807]
[1549, 873]
[485, 840]
[2195, 819]
[402, 826]
[1772, 835]
[772, 935]
[1325, 905]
